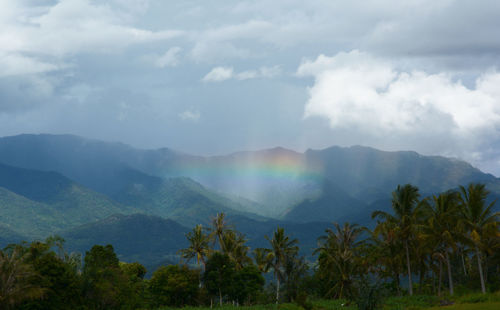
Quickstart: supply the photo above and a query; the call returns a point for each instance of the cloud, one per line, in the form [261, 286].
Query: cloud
[190, 115]
[51, 33]
[16, 64]
[358, 92]
[219, 74]
[170, 58]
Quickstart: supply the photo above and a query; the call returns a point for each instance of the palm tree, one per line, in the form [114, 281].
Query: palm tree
[199, 245]
[386, 247]
[479, 219]
[440, 227]
[338, 255]
[16, 279]
[219, 229]
[234, 245]
[282, 249]
[404, 202]
[262, 259]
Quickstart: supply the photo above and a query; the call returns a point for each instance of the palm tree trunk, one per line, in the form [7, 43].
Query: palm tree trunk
[277, 289]
[485, 269]
[421, 280]
[440, 277]
[463, 263]
[450, 280]
[410, 285]
[396, 280]
[483, 288]
[220, 297]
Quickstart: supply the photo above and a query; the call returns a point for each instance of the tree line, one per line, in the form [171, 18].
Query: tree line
[421, 246]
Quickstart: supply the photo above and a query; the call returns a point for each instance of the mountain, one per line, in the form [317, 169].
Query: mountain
[368, 174]
[329, 184]
[135, 237]
[152, 240]
[36, 203]
[333, 203]
[100, 166]
[8, 236]
[22, 216]
[180, 199]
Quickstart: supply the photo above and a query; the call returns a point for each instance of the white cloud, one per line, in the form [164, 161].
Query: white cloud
[190, 115]
[29, 33]
[170, 58]
[262, 72]
[219, 74]
[366, 95]
[16, 64]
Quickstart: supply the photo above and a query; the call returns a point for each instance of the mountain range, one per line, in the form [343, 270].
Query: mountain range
[144, 201]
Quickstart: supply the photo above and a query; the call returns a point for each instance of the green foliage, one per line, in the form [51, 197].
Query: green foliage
[247, 283]
[149, 239]
[339, 261]
[480, 306]
[408, 302]
[174, 285]
[105, 286]
[135, 270]
[57, 277]
[370, 296]
[17, 279]
[218, 275]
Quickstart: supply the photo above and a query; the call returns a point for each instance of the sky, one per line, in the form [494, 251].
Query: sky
[213, 77]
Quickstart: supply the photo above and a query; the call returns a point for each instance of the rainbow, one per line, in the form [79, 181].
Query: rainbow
[276, 167]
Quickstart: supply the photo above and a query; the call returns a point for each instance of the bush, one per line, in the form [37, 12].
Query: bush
[473, 298]
[409, 302]
[302, 301]
[289, 306]
[370, 296]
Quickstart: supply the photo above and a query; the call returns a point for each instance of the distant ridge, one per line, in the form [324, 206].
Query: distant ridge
[332, 183]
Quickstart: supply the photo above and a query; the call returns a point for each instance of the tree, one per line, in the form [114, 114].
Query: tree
[57, 277]
[199, 245]
[174, 285]
[385, 253]
[282, 249]
[218, 276]
[261, 258]
[246, 284]
[104, 284]
[338, 261]
[219, 229]
[16, 279]
[479, 219]
[234, 245]
[404, 201]
[440, 228]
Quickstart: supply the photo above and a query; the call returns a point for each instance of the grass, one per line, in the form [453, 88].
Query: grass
[475, 306]
[475, 301]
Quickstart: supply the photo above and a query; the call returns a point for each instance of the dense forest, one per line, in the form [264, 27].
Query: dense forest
[443, 245]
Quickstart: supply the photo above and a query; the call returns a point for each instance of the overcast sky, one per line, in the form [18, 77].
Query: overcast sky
[211, 77]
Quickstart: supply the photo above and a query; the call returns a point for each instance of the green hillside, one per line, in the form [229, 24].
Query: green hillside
[180, 199]
[137, 237]
[26, 217]
[332, 204]
[328, 185]
[37, 203]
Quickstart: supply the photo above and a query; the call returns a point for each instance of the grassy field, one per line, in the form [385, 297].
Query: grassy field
[477, 306]
[466, 302]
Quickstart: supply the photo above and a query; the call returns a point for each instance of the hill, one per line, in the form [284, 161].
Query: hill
[36, 203]
[136, 237]
[328, 184]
